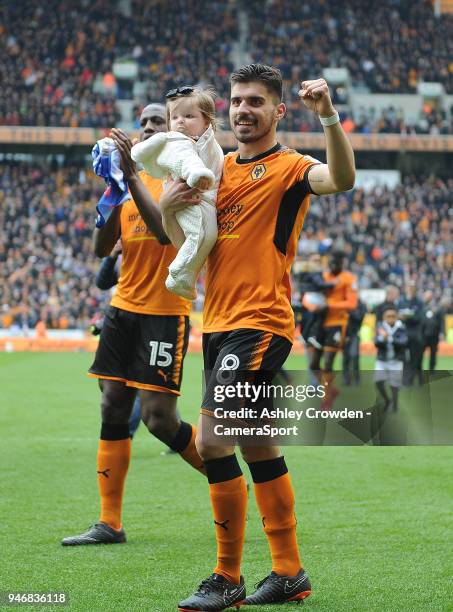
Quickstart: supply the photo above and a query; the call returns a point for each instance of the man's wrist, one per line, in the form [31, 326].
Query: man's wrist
[329, 120]
[331, 111]
[133, 178]
[164, 212]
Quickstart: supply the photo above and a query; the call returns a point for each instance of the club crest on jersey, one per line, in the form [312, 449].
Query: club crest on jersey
[258, 171]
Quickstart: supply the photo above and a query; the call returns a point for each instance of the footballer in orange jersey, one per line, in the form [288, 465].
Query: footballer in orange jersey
[341, 300]
[143, 340]
[248, 322]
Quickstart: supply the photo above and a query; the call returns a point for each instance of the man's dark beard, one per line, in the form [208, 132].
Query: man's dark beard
[252, 137]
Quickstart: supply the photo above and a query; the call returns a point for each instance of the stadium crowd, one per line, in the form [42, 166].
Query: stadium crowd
[57, 69]
[389, 120]
[387, 46]
[57, 60]
[389, 236]
[46, 255]
[47, 265]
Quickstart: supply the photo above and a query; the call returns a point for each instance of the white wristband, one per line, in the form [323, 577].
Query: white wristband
[332, 120]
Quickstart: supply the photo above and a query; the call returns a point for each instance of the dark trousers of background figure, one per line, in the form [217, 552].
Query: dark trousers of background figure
[414, 360]
[351, 360]
[311, 324]
[432, 342]
[389, 401]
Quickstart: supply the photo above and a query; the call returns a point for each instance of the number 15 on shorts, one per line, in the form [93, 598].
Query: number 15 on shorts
[159, 353]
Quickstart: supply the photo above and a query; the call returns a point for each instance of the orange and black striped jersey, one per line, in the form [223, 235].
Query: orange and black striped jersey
[144, 268]
[342, 298]
[261, 207]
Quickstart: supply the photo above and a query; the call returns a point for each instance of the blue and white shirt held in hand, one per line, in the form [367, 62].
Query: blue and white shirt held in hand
[106, 164]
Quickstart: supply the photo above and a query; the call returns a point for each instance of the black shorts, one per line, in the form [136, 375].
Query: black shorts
[143, 351]
[332, 337]
[246, 350]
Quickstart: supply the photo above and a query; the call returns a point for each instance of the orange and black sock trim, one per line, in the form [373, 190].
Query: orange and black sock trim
[113, 459]
[228, 491]
[111, 431]
[184, 444]
[275, 499]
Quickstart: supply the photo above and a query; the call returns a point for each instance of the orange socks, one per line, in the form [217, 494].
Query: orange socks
[113, 463]
[114, 455]
[228, 491]
[275, 499]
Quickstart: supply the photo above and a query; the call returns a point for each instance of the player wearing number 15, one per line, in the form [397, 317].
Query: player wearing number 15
[143, 340]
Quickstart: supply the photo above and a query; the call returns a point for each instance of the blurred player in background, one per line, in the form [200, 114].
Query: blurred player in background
[313, 289]
[391, 341]
[341, 300]
[143, 340]
[248, 320]
[392, 297]
[410, 310]
[351, 349]
[433, 327]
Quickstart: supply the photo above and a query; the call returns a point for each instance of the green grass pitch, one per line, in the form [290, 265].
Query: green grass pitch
[375, 524]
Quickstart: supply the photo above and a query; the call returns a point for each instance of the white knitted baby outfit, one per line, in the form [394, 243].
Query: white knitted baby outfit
[176, 155]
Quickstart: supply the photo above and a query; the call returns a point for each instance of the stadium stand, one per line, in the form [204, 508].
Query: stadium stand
[95, 64]
[67, 64]
[375, 121]
[389, 236]
[50, 63]
[47, 267]
[392, 121]
[46, 256]
[58, 61]
[405, 43]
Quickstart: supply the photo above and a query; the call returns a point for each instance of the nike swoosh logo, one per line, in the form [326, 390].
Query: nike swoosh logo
[233, 595]
[289, 588]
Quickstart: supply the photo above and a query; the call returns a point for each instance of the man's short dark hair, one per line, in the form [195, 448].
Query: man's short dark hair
[269, 76]
[389, 307]
[337, 255]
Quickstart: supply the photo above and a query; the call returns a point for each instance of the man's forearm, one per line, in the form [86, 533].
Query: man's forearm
[105, 238]
[107, 277]
[340, 172]
[340, 157]
[149, 210]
